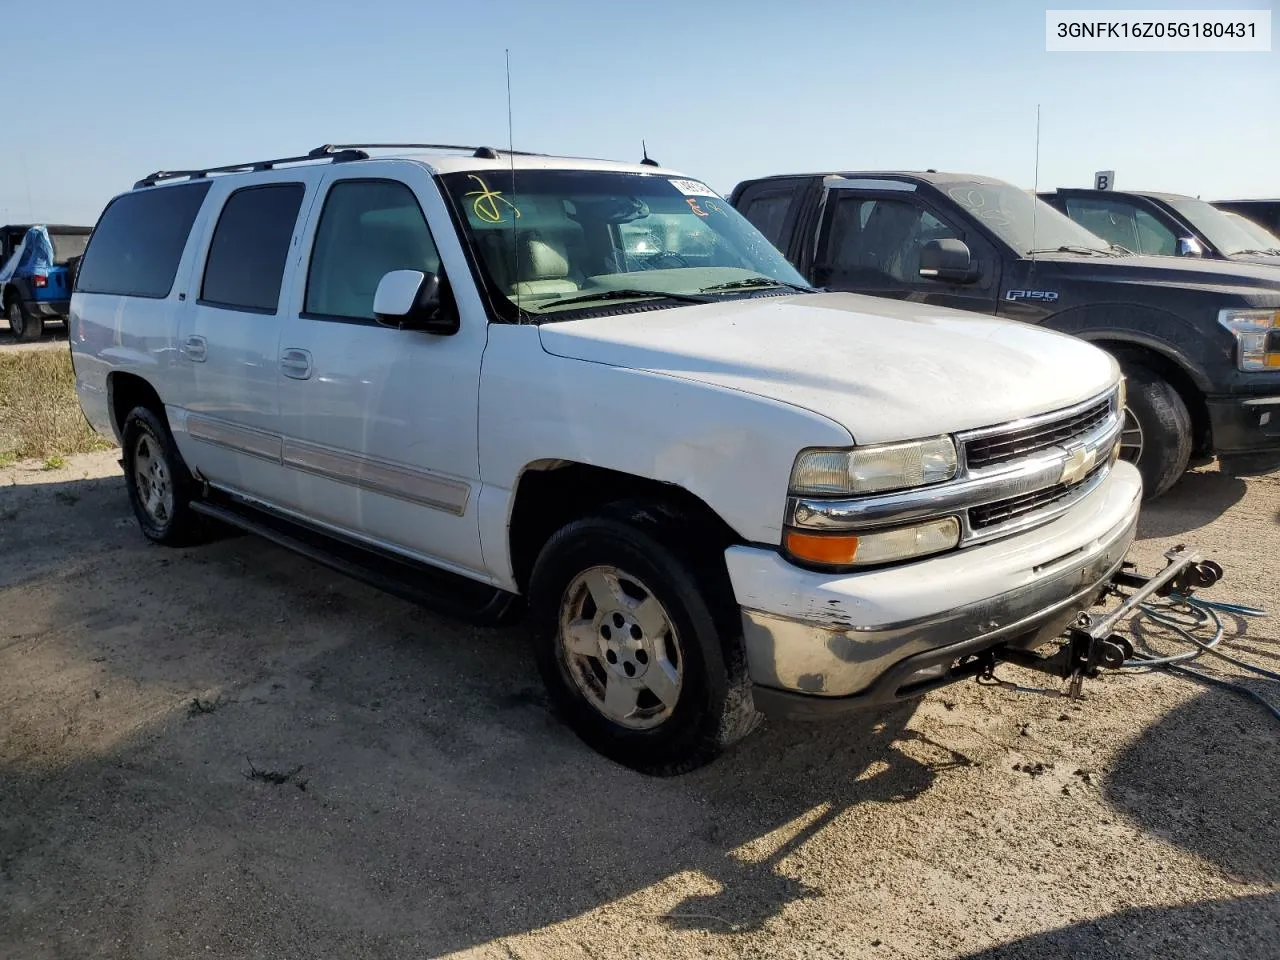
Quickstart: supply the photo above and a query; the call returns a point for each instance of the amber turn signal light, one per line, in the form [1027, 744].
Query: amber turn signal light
[832, 549]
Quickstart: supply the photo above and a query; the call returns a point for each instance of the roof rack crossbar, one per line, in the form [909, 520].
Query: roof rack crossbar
[331, 155]
[479, 151]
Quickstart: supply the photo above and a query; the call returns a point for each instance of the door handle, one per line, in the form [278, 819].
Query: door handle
[296, 364]
[195, 349]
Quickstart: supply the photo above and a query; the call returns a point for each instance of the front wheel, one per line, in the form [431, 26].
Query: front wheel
[1156, 436]
[23, 325]
[630, 647]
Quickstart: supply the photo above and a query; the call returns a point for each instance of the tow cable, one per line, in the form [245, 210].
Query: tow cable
[1167, 600]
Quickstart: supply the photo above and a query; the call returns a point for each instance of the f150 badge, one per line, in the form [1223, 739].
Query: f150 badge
[1039, 296]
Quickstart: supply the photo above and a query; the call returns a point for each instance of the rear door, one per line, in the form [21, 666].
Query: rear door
[230, 330]
[870, 242]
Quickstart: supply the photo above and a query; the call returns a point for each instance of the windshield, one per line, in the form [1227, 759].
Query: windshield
[1263, 239]
[1230, 238]
[1008, 212]
[569, 239]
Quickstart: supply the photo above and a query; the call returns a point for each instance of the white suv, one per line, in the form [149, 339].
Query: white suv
[472, 377]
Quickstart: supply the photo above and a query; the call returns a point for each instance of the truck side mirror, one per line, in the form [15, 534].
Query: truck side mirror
[413, 300]
[1189, 247]
[948, 260]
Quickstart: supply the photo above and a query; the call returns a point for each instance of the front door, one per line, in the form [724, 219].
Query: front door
[871, 243]
[378, 423]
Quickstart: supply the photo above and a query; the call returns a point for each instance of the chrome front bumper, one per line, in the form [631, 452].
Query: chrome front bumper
[855, 637]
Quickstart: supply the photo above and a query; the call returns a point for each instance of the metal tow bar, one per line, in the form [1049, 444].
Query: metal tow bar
[1091, 643]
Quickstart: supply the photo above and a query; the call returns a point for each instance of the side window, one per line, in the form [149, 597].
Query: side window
[876, 242]
[766, 208]
[1112, 221]
[1154, 236]
[250, 247]
[367, 229]
[135, 249]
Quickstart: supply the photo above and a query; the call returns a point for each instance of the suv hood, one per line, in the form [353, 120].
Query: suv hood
[885, 370]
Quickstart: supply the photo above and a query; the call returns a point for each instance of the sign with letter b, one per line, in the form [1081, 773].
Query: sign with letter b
[1104, 180]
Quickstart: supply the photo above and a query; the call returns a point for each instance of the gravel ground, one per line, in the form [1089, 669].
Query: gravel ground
[229, 751]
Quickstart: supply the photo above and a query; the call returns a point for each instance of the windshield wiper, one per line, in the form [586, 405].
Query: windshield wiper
[1266, 253]
[625, 294]
[1073, 248]
[749, 282]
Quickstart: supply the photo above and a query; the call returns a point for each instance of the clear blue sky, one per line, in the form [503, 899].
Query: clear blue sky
[719, 90]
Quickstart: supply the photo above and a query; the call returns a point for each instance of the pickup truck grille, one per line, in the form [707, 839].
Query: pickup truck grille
[1004, 511]
[997, 448]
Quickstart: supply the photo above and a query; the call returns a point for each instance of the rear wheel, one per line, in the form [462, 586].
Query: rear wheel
[23, 325]
[1156, 436]
[631, 647]
[160, 487]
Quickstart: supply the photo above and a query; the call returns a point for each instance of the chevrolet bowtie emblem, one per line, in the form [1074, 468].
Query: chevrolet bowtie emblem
[1080, 460]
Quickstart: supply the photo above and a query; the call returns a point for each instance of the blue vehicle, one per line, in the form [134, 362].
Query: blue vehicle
[37, 267]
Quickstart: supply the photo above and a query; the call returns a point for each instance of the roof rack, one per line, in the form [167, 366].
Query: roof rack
[329, 153]
[483, 153]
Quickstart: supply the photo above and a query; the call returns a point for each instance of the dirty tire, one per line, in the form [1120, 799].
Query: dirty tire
[24, 326]
[146, 437]
[714, 708]
[1166, 429]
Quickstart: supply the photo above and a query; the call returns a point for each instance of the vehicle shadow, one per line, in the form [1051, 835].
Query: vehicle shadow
[1243, 927]
[53, 333]
[1199, 497]
[1224, 813]
[230, 746]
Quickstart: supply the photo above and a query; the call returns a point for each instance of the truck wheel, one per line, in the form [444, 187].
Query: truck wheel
[160, 487]
[1157, 431]
[23, 325]
[625, 631]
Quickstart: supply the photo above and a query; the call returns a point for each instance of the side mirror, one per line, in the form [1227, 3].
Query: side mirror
[1189, 247]
[948, 260]
[413, 300]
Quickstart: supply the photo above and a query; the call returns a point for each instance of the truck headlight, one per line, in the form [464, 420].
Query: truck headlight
[1257, 334]
[875, 469]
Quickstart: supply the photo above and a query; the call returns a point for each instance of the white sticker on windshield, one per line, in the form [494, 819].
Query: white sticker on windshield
[692, 188]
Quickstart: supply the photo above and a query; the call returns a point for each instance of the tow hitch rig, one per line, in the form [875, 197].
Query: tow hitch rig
[1091, 643]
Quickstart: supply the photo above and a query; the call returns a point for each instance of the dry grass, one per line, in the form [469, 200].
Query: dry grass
[40, 416]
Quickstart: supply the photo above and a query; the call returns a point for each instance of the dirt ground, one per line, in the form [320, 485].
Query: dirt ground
[55, 338]
[228, 751]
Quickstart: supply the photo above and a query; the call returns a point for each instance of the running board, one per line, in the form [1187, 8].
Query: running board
[439, 590]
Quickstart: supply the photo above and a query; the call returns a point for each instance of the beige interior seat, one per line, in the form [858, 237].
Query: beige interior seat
[544, 269]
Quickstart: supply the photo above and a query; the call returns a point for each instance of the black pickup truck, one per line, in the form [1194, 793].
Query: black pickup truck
[1199, 340]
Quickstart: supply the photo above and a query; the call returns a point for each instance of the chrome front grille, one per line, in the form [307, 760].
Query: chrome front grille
[1015, 442]
[1015, 508]
[1012, 477]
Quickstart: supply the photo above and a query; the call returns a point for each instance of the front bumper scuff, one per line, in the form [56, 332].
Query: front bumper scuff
[820, 644]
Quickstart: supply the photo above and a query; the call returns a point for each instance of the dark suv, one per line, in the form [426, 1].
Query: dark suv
[37, 267]
[1199, 340]
[1164, 224]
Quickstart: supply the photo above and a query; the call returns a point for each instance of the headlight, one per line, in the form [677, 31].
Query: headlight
[874, 546]
[1257, 334]
[890, 466]
[1122, 399]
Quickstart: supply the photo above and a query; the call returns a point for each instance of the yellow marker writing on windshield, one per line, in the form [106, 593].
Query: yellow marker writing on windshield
[486, 202]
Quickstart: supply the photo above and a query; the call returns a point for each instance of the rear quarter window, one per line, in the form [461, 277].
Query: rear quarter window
[135, 249]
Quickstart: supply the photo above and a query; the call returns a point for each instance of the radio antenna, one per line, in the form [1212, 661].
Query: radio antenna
[511, 155]
[1035, 187]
